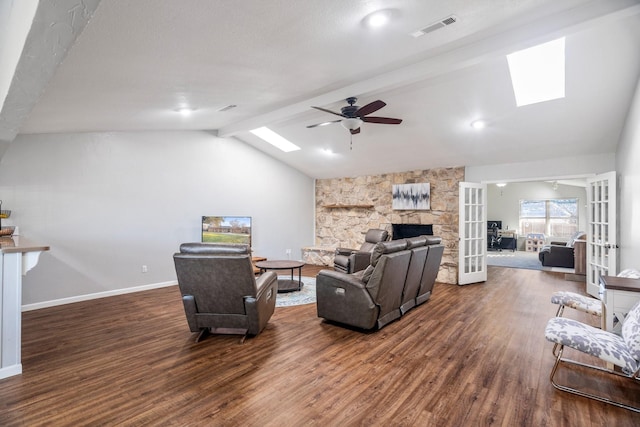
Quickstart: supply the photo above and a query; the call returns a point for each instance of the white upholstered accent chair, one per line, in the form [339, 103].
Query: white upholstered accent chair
[621, 351]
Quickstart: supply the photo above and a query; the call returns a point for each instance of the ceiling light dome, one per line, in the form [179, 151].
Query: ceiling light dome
[478, 124]
[351, 124]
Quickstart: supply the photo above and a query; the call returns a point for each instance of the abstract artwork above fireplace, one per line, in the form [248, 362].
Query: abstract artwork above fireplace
[411, 196]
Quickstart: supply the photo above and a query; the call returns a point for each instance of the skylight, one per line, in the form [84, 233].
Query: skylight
[274, 139]
[537, 73]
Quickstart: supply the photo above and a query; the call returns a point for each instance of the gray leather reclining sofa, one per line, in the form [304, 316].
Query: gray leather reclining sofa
[400, 276]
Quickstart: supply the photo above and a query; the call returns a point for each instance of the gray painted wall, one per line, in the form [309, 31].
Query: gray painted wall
[108, 203]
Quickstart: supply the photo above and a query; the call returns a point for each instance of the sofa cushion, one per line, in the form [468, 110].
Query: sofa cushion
[631, 273]
[415, 242]
[365, 274]
[388, 247]
[631, 331]
[432, 240]
[214, 248]
[587, 339]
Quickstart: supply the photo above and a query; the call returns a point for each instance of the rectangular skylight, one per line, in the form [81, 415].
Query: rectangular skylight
[274, 139]
[537, 73]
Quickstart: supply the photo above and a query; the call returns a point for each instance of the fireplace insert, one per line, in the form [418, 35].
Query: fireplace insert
[402, 231]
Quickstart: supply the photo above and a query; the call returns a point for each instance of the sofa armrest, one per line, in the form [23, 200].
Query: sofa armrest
[345, 251]
[344, 298]
[359, 261]
[189, 303]
[260, 309]
[264, 281]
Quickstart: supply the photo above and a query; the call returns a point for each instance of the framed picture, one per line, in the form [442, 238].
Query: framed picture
[412, 196]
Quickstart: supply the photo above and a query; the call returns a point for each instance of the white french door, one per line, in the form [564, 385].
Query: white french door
[602, 231]
[472, 248]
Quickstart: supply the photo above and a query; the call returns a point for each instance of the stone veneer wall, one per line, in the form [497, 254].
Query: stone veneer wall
[346, 226]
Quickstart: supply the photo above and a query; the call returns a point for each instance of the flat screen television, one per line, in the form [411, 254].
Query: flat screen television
[226, 229]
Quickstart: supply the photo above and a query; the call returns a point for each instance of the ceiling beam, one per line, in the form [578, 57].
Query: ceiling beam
[455, 56]
[55, 27]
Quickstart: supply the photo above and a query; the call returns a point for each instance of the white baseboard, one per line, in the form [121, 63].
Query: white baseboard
[69, 300]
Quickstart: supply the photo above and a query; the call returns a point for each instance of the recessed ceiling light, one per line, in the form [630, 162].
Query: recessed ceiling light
[185, 111]
[538, 73]
[478, 124]
[379, 18]
[274, 139]
[501, 184]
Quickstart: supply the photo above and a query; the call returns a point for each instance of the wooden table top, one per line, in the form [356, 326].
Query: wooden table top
[279, 264]
[15, 244]
[621, 283]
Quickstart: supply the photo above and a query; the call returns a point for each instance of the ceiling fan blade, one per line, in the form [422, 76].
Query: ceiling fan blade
[369, 108]
[323, 124]
[383, 120]
[328, 111]
[355, 131]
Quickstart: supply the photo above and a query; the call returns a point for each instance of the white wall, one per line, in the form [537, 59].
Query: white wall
[628, 167]
[562, 167]
[108, 203]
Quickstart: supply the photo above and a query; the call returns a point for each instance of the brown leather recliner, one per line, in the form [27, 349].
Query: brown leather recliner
[352, 260]
[220, 292]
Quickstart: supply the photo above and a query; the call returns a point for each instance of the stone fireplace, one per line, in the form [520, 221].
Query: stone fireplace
[347, 207]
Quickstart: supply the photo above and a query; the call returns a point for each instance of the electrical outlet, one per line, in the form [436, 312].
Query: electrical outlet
[144, 269]
[288, 251]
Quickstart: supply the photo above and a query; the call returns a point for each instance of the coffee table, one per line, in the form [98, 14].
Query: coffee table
[284, 285]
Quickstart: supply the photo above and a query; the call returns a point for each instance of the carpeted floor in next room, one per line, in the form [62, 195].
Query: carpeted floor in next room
[520, 259]
[517, 259]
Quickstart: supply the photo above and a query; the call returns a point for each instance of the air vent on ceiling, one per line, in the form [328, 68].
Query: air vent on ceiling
[435, 26]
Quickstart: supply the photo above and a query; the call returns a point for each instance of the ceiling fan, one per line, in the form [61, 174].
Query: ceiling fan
[354, 116]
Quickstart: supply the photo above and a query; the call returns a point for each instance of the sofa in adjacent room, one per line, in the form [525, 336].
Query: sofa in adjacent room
[560, 254]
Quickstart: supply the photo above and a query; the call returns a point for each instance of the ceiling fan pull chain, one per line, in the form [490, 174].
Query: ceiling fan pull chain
[350, 141]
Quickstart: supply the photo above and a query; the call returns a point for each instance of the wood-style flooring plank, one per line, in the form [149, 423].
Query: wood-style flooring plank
[471, 355]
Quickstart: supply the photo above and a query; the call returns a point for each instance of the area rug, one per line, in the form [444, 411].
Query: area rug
[307, 295]
[517, 259]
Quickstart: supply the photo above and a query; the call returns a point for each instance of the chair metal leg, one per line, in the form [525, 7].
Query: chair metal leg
[585, 394]
[560, 310]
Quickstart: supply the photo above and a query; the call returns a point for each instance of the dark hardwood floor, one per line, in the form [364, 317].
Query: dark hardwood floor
[472, 355]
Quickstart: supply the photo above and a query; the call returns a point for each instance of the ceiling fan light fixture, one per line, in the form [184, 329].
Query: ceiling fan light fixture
[478, 124]
[351, 124]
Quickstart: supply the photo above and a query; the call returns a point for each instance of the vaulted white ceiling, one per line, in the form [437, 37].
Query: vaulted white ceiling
[136, 62]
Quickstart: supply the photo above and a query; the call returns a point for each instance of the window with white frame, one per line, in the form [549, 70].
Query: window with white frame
[551, 217]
